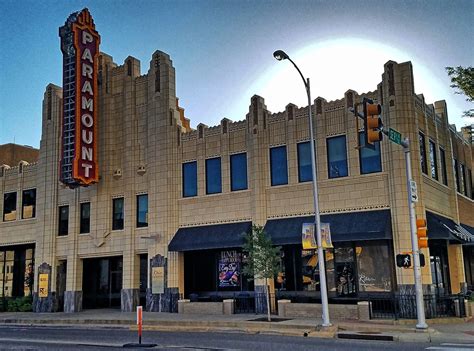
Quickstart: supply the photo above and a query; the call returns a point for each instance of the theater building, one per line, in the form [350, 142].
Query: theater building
[160, 210]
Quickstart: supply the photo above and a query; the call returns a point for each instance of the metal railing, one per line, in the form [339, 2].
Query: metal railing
[404, 306]
[254, 303]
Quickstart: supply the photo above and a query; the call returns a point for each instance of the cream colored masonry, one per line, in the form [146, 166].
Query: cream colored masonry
[142, 145]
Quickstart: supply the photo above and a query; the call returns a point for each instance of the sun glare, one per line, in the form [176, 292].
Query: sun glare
[334, 66]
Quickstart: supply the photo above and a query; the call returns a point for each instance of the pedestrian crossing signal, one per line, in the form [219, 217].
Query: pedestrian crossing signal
[403, 261]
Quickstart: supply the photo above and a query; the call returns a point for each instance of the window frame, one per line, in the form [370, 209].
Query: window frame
[442, 160]
[232, 158]
[456, 176]
[14, 209]
[274, 169]
[299, 152]
[84, 222]
[33, 215]
[328, 140]
[209, 185]
[140, 224]
[118, 223]
[378, 147]
[423, 159]
[63, 223]
[433, 159]
[185, 180]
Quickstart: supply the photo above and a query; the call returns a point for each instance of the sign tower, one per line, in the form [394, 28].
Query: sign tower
[80, 48]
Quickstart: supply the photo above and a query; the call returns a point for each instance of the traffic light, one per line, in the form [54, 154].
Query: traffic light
[421, 233]
[372, 123]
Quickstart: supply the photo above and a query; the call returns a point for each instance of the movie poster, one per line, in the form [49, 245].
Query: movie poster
[229, 269]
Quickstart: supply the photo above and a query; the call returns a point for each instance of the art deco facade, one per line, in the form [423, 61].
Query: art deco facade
[168, 213]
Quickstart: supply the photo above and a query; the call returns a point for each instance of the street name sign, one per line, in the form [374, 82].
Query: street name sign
[395, 136]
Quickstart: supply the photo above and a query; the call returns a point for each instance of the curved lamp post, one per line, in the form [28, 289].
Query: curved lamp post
[281, 55]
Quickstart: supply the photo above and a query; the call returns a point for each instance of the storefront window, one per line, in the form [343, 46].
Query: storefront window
[374, 273]
[229, 266]
[310, 273]
[344, 270]
[29, 272]
[2, 272]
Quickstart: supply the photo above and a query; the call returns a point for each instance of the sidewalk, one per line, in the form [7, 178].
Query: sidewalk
[445, 330]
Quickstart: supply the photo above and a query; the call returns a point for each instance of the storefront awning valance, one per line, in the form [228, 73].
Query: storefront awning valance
[354, 226]
[440, 227]
[207, 237]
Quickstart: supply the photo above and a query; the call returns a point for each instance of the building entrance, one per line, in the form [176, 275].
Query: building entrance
[102, 282]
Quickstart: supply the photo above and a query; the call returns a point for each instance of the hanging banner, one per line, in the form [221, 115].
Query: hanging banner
[229, 269]
[326, 240]
[307, 238]
[158, 280]
[43, 281]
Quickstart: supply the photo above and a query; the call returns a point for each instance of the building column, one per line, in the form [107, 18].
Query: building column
[73, 294]
[456, 268]
[130, 294]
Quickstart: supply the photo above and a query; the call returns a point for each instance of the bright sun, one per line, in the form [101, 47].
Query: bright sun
[335, 66]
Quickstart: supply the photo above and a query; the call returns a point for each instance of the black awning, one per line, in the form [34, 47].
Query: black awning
[444, 228]
[210, 237]
[354, 226]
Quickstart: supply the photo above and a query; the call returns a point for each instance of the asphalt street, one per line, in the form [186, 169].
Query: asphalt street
[87, 338]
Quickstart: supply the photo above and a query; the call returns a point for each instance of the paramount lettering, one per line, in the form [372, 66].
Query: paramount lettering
[85, 53]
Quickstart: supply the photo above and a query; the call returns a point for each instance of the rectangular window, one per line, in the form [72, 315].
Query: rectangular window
[9, 207]
[189, 179]
[442, 159]
[213, 176]
[374, 272]
[370, 160]
[337, 157]
[305, 173]
[470, 183]
[456, 175]
[421, 139]
[433, 160]
[463, 180]
[29, 204]
[63, 220]
[278, 165]
[85, 218]
[142, 211]
[238, 172]
[117, 209]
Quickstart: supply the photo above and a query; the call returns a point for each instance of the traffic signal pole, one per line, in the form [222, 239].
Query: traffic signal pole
[372, 126]
[420, 305]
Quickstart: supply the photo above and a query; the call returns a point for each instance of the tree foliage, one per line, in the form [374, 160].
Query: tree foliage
[462, 79]
[263, 259]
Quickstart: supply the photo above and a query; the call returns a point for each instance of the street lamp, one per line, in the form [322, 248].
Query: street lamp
[281, 55]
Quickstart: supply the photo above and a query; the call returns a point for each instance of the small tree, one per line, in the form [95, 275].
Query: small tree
[462, 79]
[263, 259]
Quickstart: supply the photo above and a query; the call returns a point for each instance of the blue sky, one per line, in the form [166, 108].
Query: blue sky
[222, 50]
